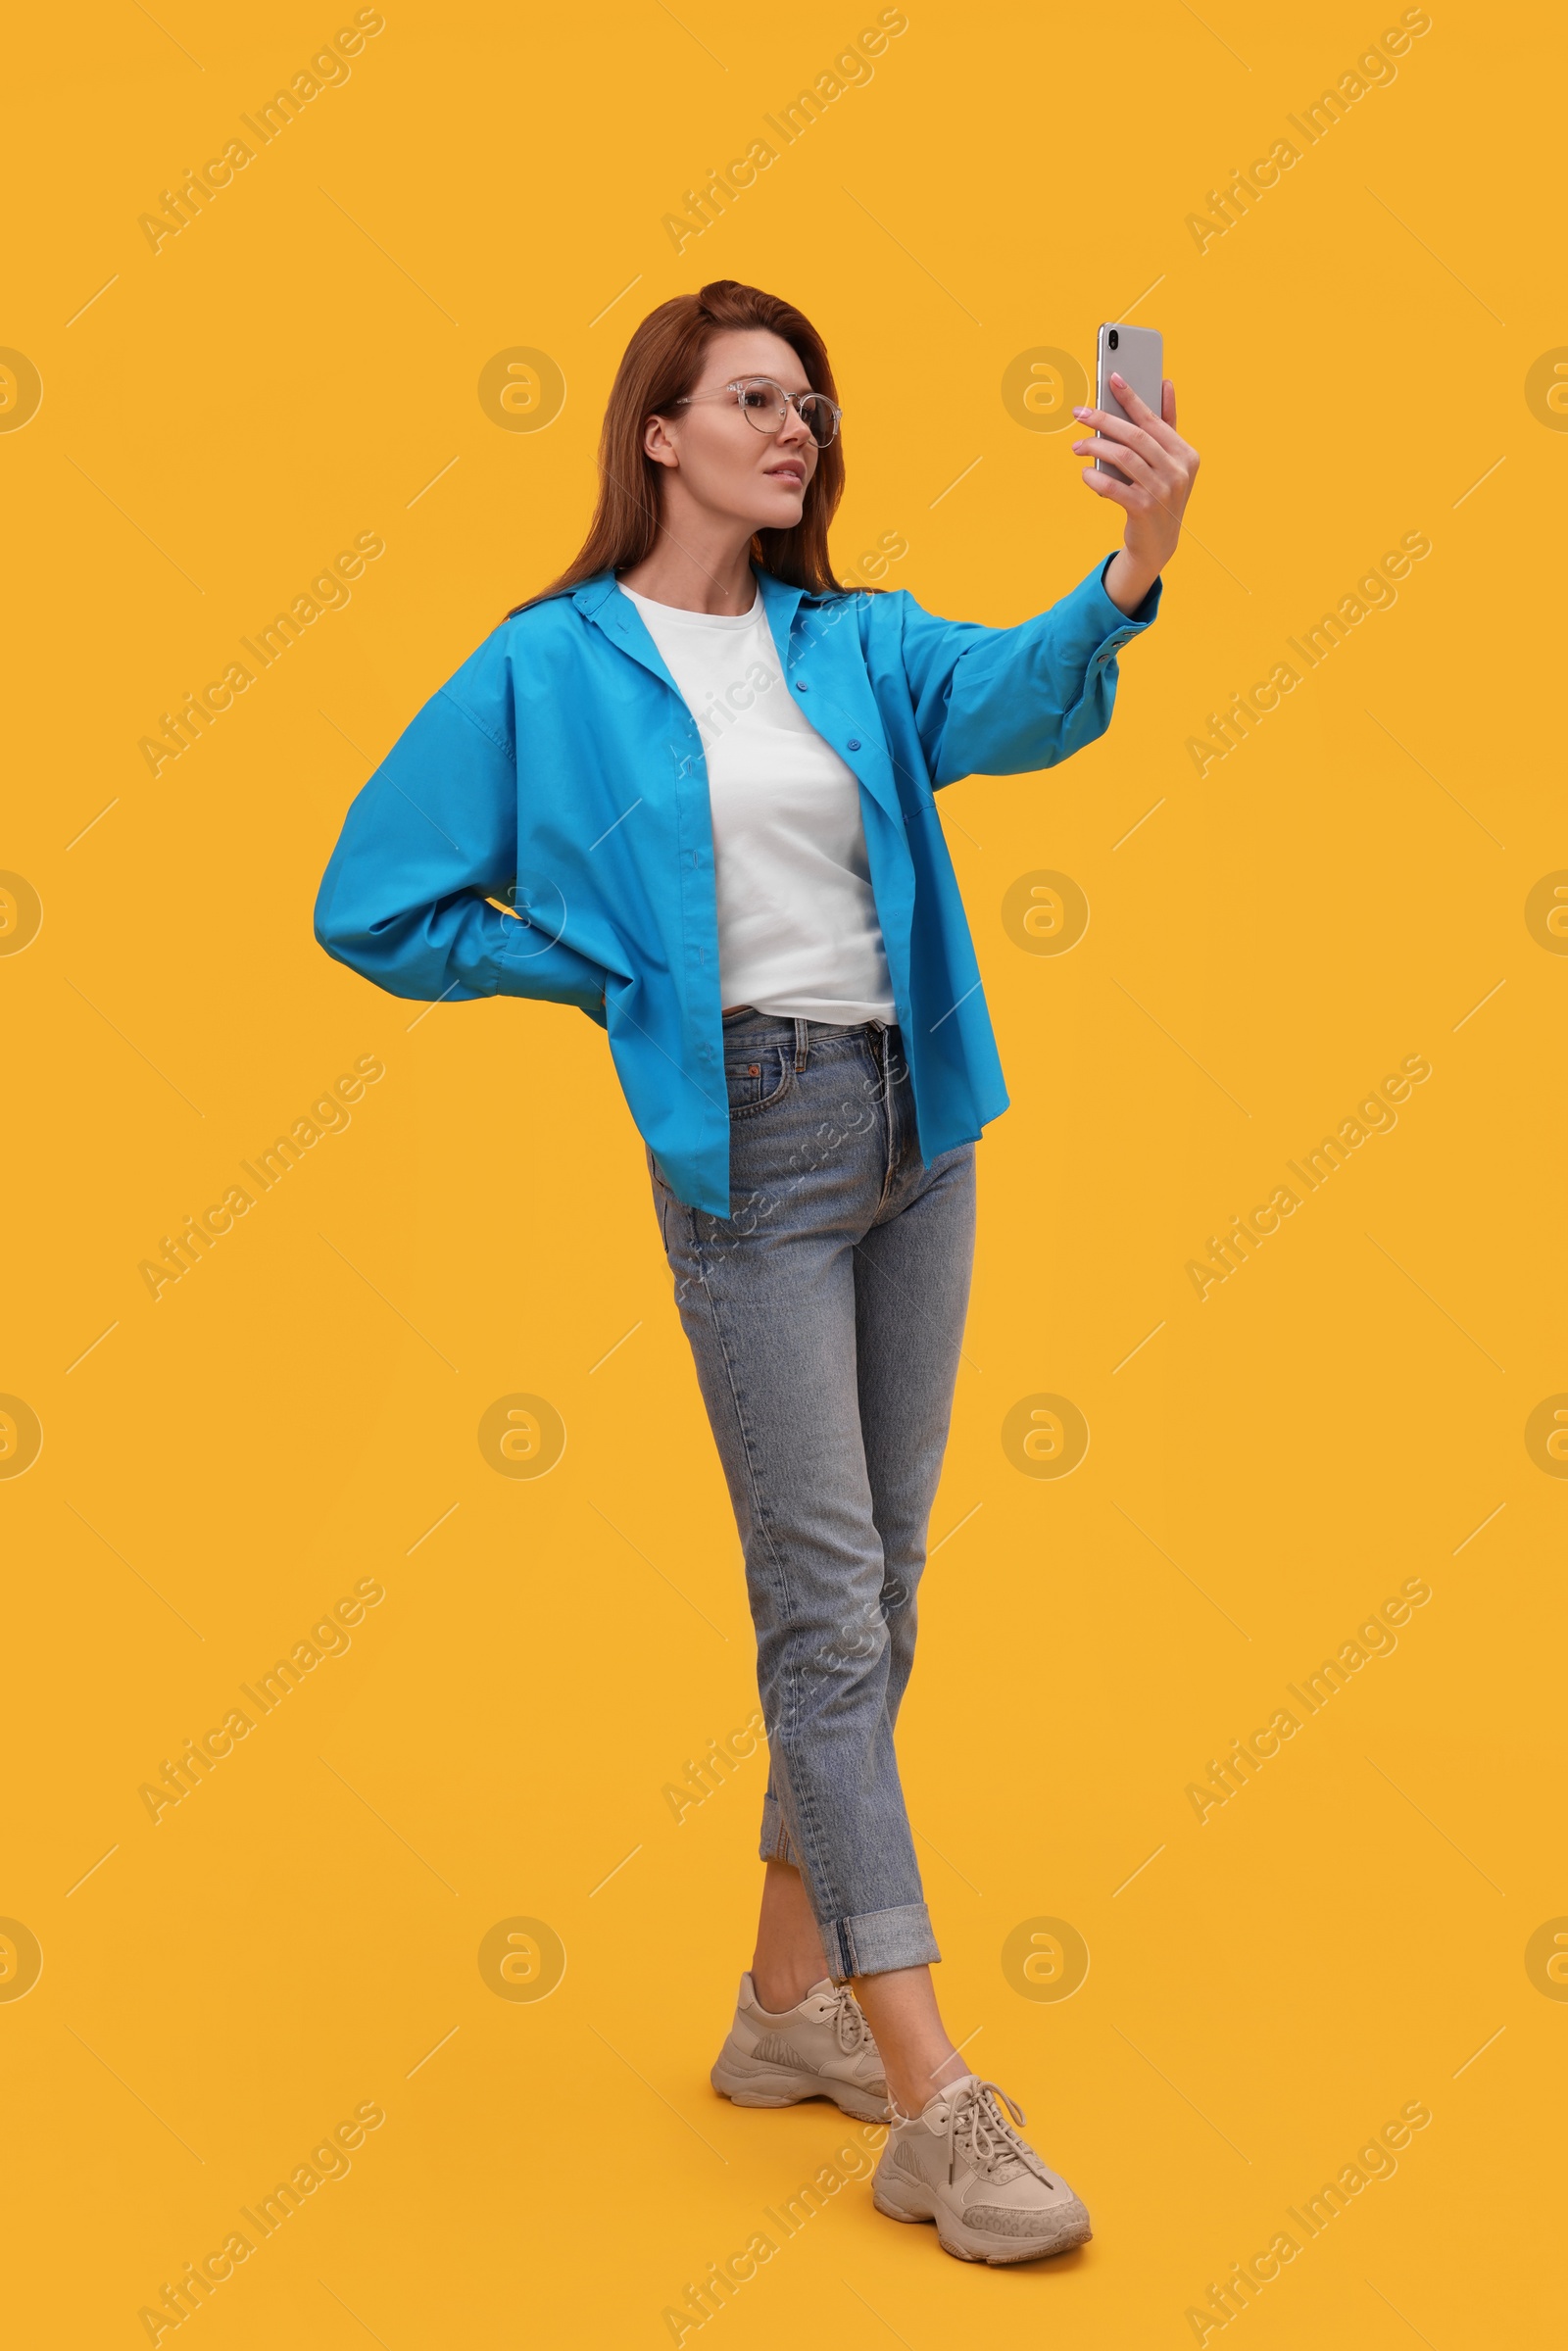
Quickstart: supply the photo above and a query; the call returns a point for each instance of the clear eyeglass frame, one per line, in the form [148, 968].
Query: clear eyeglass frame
[812, 408]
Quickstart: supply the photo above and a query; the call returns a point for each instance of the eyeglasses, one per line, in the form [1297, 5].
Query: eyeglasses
[766, 405]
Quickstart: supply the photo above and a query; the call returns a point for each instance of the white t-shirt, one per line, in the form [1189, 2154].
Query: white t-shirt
[797, 930]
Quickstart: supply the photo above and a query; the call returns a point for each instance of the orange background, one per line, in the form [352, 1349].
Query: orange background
[301, 1936]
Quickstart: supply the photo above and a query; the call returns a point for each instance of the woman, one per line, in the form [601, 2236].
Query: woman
[703, 774]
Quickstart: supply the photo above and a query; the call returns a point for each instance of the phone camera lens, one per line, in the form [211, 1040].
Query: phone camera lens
[1114, 340]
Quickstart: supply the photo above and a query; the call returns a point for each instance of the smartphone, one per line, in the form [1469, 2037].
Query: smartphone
[1138, 354]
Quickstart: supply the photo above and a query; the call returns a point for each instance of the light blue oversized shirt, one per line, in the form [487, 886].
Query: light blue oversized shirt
[561, 755]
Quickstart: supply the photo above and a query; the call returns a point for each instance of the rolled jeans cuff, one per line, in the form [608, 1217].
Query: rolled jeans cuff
[859, 1946]
[878, 1940]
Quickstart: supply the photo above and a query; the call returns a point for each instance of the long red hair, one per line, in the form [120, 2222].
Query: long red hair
[663, 362]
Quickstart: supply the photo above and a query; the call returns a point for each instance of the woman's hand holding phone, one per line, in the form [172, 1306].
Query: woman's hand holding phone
[1160, 468]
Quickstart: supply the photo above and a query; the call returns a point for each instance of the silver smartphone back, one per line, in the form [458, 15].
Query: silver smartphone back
[1137, 353]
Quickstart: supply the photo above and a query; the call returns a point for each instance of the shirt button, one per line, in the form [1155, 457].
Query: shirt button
[801, 686]
[855, 743]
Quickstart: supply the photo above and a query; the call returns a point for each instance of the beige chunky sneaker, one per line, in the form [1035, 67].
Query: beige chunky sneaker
[821, 2049]
[961, 2163]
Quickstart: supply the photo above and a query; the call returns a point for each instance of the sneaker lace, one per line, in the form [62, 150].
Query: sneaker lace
[977, 2123]
[848, 2019]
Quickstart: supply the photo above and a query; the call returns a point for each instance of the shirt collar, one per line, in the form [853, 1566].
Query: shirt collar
[780, 601]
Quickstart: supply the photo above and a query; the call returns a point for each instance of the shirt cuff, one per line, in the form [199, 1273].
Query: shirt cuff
[1126, 625]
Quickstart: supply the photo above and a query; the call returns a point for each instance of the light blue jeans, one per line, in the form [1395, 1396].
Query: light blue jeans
[826, 1315]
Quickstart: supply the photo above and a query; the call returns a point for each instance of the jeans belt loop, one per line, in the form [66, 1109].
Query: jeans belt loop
[803, 1041]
